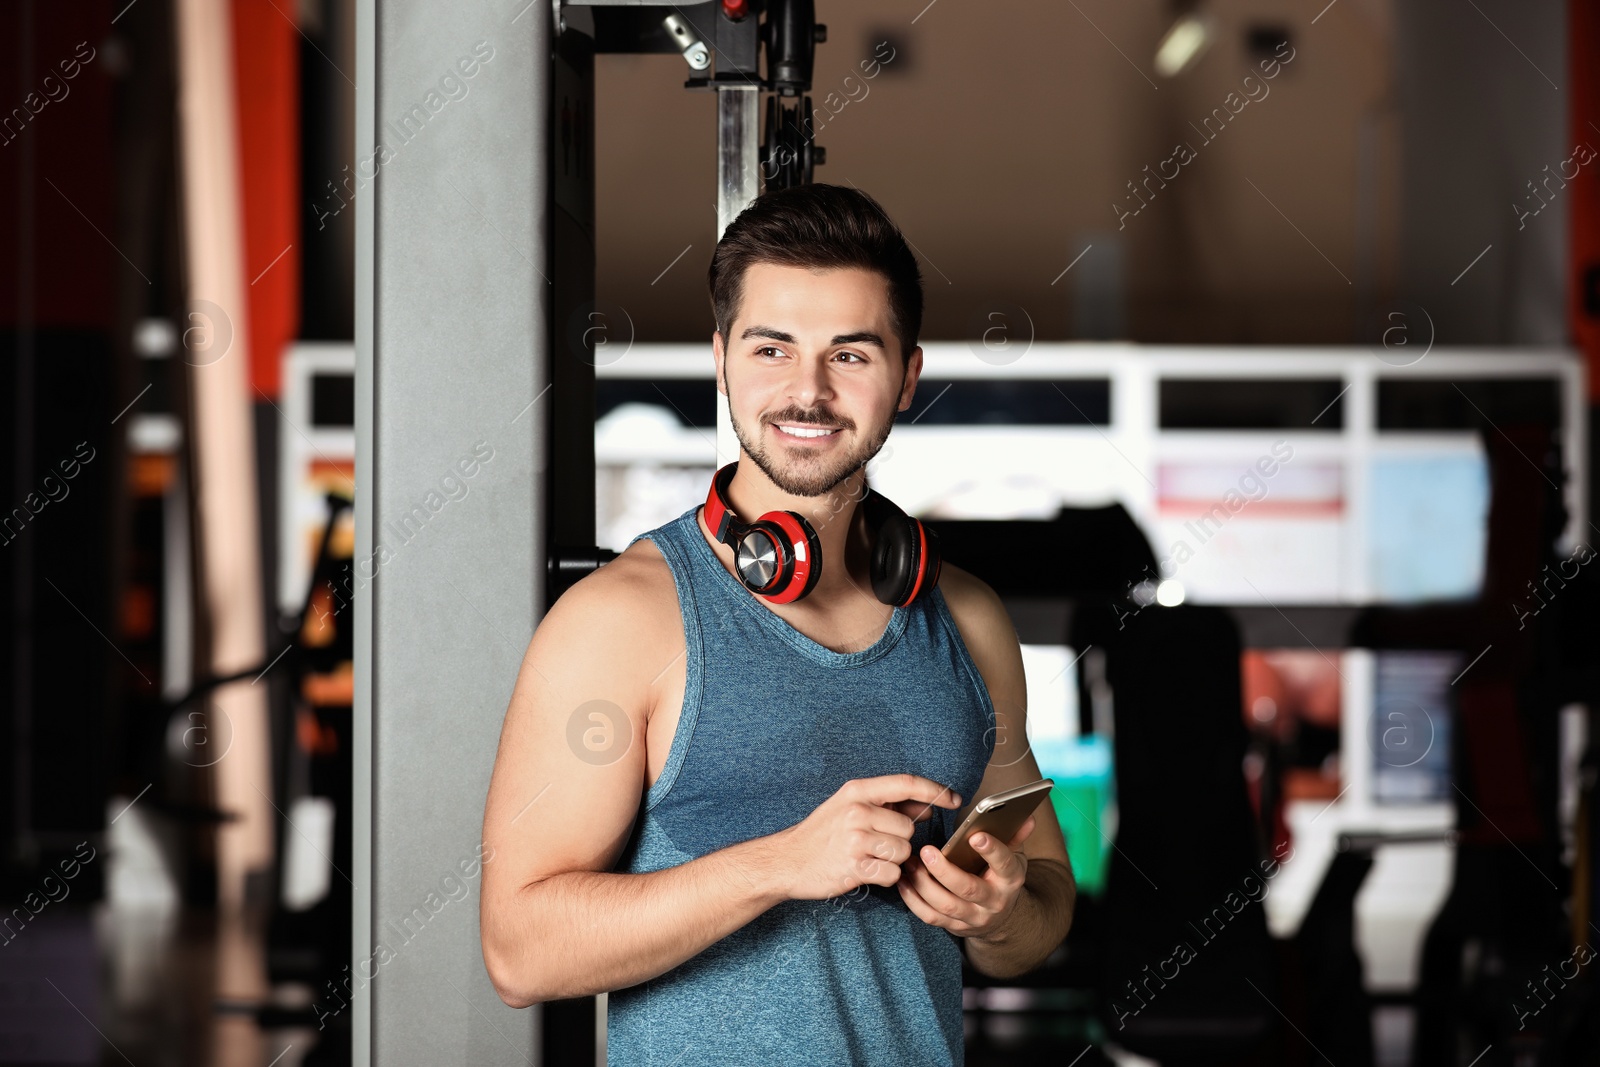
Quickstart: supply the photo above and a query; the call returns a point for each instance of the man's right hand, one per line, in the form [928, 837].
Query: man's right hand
[860, 835]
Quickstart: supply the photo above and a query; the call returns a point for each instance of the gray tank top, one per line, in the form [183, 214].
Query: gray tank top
[773, 723]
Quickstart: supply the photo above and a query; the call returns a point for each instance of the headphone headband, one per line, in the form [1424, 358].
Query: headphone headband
[719, 516]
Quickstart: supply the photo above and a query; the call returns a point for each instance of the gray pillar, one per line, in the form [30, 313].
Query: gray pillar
[452, 425]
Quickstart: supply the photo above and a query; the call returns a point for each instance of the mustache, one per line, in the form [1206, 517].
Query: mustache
[796, 418]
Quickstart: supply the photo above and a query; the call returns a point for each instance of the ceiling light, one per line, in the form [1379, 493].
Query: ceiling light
[1184, 43]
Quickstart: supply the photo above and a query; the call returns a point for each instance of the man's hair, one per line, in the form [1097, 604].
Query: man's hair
[818, 227]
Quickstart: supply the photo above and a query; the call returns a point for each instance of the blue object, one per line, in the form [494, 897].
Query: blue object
[1082, 797]
[1412, 716]
[1428, 528]
[773, 724]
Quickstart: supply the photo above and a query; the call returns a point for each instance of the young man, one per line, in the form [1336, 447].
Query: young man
[726, 810]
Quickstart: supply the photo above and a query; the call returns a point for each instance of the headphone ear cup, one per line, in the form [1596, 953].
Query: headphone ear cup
[932, 558]
[800, 552]
[896, 559]
[758, 558]
[813, 543]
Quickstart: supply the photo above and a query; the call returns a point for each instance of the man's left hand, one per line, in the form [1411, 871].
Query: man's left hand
[968, 905]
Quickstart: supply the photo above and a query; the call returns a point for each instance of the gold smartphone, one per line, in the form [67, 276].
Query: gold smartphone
[1000, 815]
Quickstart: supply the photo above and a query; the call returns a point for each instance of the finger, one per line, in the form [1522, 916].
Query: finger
[877, 870]
[914, 809]
[889, 789]
[889, 848]
[1002, 859]
[893, 821]
[890, 821]
[938, 891]
[922, 811]
[957, 882]
[920, 907]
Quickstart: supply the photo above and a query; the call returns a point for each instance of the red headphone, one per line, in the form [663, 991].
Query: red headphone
[779, 556]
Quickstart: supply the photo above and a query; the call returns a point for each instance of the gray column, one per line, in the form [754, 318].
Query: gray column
[452, 424]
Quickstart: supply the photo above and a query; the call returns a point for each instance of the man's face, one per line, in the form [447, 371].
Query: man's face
[813, 350]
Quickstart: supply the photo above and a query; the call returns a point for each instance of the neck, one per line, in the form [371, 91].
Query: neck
[836, 516]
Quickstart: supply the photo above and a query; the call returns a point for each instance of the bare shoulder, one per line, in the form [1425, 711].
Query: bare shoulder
[985, 626]
[979, 612]
[628, 606]
[629, 590]
[575, 725]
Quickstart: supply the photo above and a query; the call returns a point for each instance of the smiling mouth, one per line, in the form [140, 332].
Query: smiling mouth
[800, 431]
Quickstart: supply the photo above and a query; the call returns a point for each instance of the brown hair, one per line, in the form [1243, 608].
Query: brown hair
[818, 226]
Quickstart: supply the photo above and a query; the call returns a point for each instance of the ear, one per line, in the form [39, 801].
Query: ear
[720, 358]
[913, 372]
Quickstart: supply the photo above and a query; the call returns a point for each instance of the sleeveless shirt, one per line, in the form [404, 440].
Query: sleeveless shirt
[773, 724]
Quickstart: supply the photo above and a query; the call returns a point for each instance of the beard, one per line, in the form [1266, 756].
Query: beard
[800, 471]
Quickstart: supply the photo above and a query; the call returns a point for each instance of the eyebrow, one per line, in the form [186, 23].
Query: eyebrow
[860, 337]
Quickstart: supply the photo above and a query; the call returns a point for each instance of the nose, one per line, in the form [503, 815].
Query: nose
[810, 385]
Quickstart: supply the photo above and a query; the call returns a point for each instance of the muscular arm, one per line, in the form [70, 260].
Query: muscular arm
[1042, 913]
[579, 933]
[568, 779]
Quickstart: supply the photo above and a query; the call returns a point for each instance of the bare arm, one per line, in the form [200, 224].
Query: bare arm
[568, 779]
[555, 920]
[1038, 926]
[579, 933]
[1013, 916]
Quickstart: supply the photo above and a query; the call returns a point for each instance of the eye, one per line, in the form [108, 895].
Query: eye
[855, 356]
[767, 348]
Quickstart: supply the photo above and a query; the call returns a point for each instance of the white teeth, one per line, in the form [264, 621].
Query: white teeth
[799, 431]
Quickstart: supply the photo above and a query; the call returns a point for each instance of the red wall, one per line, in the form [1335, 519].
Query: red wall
[267, 83]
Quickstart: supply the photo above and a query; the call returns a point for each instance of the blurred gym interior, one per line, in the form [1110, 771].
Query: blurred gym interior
[1262, 345]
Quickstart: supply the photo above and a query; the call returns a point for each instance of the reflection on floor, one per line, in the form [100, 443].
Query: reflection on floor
[153, 987]
[1055, 1037]
[162, 987]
